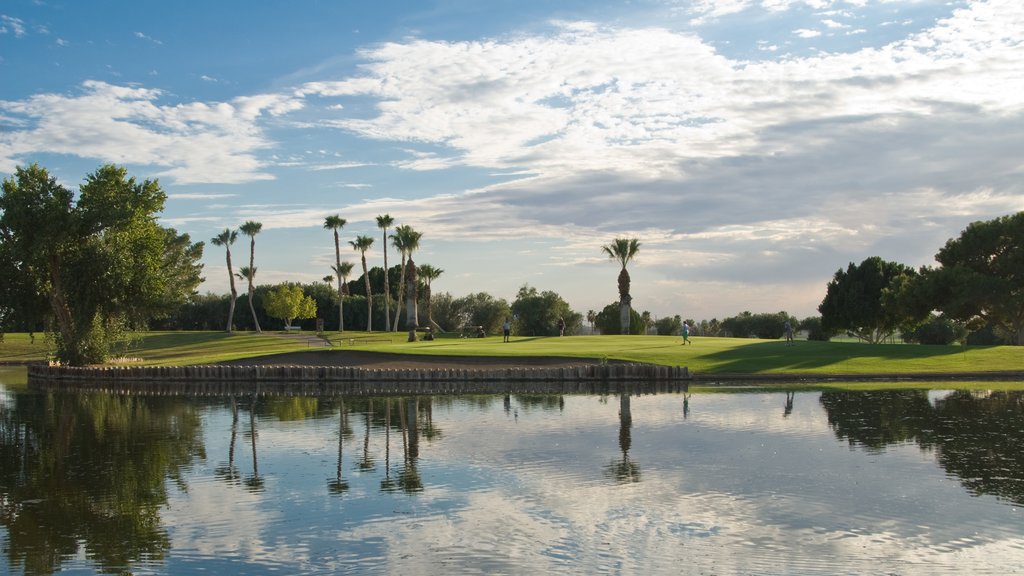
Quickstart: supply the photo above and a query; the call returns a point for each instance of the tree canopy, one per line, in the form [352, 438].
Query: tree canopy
[101, 261]
[537, 313]
[287, 302]
[981, 276]
[861, 299]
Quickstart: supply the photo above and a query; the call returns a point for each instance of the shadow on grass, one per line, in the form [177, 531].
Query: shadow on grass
[806, 355]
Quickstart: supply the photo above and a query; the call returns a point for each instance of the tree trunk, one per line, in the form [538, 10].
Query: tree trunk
[369, 297]
[411, 315]
[387, 287]
[337, 272]
[252, 273]
[624, 301]
[401, 292]
[234, 294]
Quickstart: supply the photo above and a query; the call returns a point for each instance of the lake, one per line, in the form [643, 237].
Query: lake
[723, 481]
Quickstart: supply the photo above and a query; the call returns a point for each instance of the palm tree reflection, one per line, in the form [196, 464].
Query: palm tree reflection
[626, 470]
[338, 485]
[254, 483]
[367, 464]
[230, 473]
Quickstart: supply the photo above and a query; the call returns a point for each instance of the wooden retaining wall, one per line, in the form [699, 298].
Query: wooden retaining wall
[346, 380]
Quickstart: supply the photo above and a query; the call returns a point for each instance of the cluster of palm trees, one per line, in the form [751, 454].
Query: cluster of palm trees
[406, 240]
[226, 239]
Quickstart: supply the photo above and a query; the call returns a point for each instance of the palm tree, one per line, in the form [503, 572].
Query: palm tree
[398, 242]
[336, 223]
[342, 270]
[623, 250]
[428, 273]
[363, 243]
[384, 222]
[251, 229]
[591, 317]
[407, 240]
[226, 239]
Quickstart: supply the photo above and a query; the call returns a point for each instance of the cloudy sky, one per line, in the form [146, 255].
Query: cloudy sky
[752, 146]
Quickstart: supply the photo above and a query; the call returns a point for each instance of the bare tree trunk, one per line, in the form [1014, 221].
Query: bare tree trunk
[411, 311]
[401, 292]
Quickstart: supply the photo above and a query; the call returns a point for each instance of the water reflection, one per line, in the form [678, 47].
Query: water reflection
[89, 474]
[92, 481]
[976, 436]
[624, 470]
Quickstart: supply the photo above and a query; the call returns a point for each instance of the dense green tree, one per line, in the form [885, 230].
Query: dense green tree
[669, 325]
[763, 325]
[102, 262]
[287, 302]
[336, 223]
[623, 250]
[362, 244]
[537, 313]
[812, 325]
[251, 229]
[937, 330]
[609, 320]
[226, 239]
[861, 300]
[980, 278]
[482, 309]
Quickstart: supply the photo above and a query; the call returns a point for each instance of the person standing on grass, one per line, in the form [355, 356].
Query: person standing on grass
[506, 329]
[789, 333]
[686, 334]
[561, 326]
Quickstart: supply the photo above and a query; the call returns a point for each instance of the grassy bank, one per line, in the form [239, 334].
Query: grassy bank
[704, 356]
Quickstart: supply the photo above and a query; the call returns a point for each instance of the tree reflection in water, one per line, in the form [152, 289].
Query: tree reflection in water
[976, 436]
[229, 473]
[339, 485]
[624, 470]
[85, 474]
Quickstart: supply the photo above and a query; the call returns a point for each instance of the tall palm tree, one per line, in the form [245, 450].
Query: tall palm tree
[623, 250]
[336, 223]
[251, 228]
[398, 243]
[408, 241]
[384, 222]
[428, 273]
[363, 243]
[342, 270]
[226, 239]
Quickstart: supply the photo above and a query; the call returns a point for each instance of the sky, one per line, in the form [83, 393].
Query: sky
[753, 147]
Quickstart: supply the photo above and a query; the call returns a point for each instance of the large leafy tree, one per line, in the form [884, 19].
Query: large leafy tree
[336, 223]
[226, 239]
[384, 222]
[287, 302]
[362, 244]
[623, 250]
[251, 229]
[537, 313]
[101, 261]
[861, 299]
[981, 276]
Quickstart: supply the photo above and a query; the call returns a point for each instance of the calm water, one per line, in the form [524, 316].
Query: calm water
[920, 482]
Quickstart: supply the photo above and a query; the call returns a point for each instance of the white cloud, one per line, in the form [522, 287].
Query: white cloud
[188, 143]
[807, 33]
[12, 25]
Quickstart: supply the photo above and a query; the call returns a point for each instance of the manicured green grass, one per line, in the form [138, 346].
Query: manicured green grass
[733, 355]
[704, 356]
